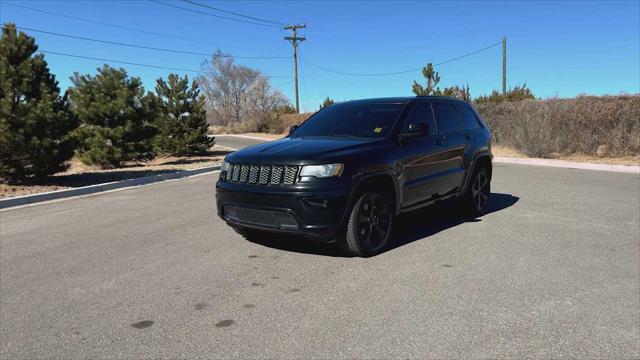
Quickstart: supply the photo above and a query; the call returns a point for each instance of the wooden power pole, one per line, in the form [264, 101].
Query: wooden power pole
[504, 65]
[294, 42]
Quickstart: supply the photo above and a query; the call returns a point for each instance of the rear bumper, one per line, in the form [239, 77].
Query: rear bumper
[316, 215]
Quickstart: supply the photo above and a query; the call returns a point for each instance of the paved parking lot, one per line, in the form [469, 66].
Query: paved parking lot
[552, 271]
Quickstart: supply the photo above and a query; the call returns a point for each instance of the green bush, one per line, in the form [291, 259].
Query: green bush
[115, 118]
[518, 93]
[182, 118]
[34, 119]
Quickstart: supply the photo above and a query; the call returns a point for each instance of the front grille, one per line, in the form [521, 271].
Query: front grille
[262, 174]
[261, 218]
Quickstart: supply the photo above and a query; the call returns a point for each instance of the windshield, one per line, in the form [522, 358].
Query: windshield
[351, 120]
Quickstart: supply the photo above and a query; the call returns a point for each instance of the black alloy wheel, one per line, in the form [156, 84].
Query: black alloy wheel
[369, 224]
[479, 192]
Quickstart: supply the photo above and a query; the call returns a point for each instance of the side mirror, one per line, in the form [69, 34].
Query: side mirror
[292, 129]
[415, 130]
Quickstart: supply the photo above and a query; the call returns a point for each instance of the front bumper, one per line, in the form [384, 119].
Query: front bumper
[314, 214]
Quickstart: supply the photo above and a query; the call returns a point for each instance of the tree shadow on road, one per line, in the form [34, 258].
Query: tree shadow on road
[408, 227]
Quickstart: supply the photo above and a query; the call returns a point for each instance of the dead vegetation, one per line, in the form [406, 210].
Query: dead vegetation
[559, 127]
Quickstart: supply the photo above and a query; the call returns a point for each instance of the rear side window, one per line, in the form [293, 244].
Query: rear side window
[469, 119]
[420, 113]
[447, 118]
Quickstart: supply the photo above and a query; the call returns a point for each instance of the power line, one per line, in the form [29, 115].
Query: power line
[135, 63]
[119, 61]
[146, 47]
[114, 25]
[469, 54]
[400, 72]
[235, 13]
[214, 15]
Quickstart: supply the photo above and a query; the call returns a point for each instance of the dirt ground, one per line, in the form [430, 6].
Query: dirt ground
[80, 174]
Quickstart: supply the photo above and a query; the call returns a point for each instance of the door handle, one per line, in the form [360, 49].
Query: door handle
[469, 137]
[439, 141]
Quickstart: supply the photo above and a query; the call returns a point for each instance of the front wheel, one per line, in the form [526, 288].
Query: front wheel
[369, 225]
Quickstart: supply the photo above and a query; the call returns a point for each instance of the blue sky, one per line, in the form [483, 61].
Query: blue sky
[559, 48]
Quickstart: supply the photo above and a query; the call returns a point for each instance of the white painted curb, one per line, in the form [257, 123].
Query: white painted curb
[568, 164]
[111, 186]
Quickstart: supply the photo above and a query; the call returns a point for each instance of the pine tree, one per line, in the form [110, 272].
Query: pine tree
[34, 119]
[116, 118]
[327, 102]
[432, 77]
[182, 120]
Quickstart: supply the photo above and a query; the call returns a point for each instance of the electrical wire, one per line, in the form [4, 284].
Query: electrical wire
[115, 26]
[119, 61]
[135, 63]
[214, 15]
[399, 72]
[147, 47]
[234, 13]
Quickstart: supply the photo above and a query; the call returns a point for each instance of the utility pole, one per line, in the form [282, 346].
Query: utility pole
[294, 42]
[504, 65]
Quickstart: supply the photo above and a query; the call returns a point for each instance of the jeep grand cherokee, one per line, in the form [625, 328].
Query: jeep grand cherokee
[347, 171]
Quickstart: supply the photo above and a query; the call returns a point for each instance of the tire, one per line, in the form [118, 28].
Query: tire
[369, 225]
[477, 197]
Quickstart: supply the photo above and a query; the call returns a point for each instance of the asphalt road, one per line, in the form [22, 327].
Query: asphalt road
[235, 142]
[552, 271]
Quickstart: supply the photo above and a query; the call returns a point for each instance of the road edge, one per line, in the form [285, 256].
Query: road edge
[105, 187]
[630, 169]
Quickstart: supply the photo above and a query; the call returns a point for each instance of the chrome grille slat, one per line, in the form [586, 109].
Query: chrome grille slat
[244, 173]
[236, 173]
[290, 173]
[253, 174]
[276, 174]
[264, 174]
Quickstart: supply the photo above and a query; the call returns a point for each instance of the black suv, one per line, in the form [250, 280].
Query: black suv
[347, 171]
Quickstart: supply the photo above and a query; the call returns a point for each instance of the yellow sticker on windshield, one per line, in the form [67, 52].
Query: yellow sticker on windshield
[377, 130]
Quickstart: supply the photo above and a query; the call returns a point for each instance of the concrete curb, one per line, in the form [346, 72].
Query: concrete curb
[92, 189]
[568, 164]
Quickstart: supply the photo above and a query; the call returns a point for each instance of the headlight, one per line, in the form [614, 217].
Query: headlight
[224, 166]
[322, 171]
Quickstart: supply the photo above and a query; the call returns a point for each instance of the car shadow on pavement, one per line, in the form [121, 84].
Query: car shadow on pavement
[431, 220]
[408, 227]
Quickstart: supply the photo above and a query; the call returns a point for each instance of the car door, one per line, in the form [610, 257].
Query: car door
[451, 141]
[418, 166]
[473, 132]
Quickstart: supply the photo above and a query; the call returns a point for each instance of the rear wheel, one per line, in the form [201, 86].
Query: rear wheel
[477, 197]
[369, 224]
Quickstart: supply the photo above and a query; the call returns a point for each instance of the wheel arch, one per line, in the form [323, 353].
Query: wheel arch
[480, 159]
[372, 179]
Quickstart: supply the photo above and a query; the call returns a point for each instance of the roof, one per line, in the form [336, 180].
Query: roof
[399, 99]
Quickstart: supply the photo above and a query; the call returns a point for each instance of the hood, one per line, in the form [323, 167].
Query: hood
[300, 150]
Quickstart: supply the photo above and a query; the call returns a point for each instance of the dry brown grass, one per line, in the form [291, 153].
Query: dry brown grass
[558, 127]
[552, 128]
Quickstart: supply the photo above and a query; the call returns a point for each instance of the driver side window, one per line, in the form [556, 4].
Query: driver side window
[420, 113]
